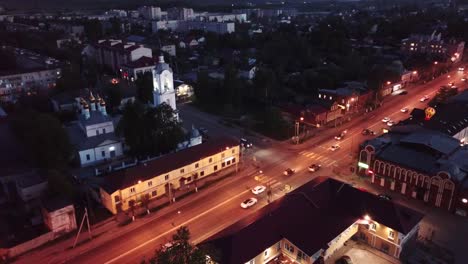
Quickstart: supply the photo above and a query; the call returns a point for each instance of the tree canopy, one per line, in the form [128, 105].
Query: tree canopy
[150, 131]
[144, 85]
[181, 251]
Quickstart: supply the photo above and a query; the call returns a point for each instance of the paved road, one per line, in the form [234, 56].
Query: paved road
[216, 207]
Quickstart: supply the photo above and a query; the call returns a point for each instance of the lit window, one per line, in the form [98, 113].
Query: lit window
[391, 235]
[320, 96]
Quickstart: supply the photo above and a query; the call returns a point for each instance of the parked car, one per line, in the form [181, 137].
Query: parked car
[344, 260]
[289, 171]
[404, 110]
[245, 143]
[335, 147]
[386, 119]
[385, 197]
[248, 203]
[390, 123]
[258, 189]
[314, 167]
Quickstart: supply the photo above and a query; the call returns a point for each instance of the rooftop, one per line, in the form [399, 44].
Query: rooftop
[56, 203]
[79, 140]
[125, 178]
[310, 217]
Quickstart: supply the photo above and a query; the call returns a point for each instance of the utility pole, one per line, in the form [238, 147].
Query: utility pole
[81, 226]
[296, 132]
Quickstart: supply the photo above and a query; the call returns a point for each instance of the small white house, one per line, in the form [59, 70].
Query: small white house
[59, 215]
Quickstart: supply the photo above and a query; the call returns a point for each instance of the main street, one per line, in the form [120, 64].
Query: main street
[218, 206]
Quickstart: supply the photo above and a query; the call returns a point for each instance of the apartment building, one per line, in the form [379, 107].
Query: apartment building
[311, 223]
[184, 26]
[114, 53]
[164, 176]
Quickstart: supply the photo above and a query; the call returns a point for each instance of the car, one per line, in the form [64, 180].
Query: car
[424, 98]
[463, 79]
[245, 143]
[314, 167]
[451, 83]
[339, 137]
[404, 110]
[335, 147]
[367, 131]
[289, 171]
[258, 189]
[385, 197]
[390, 123]
[344, 260]
[461, 68]
[386, 119]
[248, 203]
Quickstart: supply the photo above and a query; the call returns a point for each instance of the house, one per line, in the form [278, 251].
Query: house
[93, 135]
[163, 176]
[131, 70]
[169, 49]
[115, 53]
[419, 163]
[309, 224]
[434, 45]
[59, 215]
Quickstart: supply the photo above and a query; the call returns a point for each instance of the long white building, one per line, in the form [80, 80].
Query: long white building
[183, 26]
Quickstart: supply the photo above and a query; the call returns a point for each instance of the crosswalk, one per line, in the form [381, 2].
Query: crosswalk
[274, 183]
[323, 160]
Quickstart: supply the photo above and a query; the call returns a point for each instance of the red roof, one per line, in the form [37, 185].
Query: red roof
[141, 62]
[125, 178]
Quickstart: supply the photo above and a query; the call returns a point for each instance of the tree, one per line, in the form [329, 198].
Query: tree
[144, 84]
[70, 79]
[150, 131]
[132, 204]
[45, 138]
[145, 201]
[8, 59]
[114, 95]
[442, 96]
[181, 251]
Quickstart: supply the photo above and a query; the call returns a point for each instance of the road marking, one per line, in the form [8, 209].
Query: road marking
[303, 152]
[175, 228]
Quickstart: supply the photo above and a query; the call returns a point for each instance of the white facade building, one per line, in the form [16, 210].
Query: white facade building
[180, 13]
[15, 84]
[114, 53]
[93, 136]
[221, 17]
[59, 216]
[150, 12]
[184, 26]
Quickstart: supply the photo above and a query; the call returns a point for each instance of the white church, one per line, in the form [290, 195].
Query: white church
[164, 92]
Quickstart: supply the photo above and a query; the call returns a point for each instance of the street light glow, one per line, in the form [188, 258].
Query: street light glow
[389, 82]
[367, 217]
[464, 200]
[415, 72]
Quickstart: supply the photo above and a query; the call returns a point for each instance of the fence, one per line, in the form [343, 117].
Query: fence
[31, 244]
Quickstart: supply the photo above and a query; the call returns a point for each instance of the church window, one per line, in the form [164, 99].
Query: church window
[103, 153]
[88, 157]
[103, 130]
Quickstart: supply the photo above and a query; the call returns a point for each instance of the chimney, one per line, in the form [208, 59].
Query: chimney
[161, 59]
